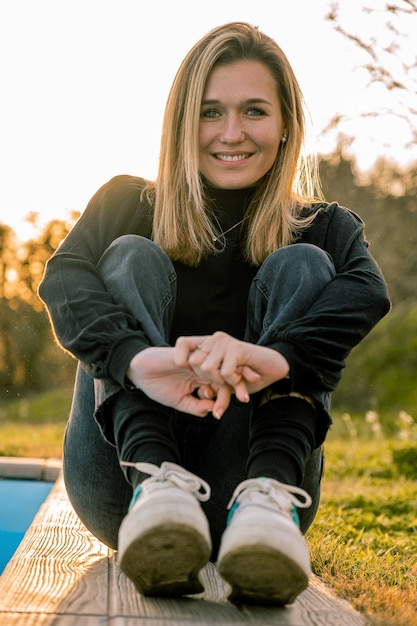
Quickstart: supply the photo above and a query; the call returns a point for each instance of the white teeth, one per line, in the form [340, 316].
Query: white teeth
[232, 157]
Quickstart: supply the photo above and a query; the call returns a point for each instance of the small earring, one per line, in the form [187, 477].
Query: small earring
[284, 138]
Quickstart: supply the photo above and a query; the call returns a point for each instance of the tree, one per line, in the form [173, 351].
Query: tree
[390, 218]
[25, 334]
[385, 37]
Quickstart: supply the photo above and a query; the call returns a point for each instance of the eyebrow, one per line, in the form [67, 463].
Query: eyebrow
[248, 101]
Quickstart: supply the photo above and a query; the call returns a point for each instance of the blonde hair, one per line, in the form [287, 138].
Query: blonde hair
[183, 224]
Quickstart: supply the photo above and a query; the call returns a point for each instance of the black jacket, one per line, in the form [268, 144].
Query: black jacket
[89, 325]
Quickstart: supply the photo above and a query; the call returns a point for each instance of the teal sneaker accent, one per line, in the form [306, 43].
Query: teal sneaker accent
[231, 513]
[295, 516]
[236, 504]
[136, 493]
[294, 511]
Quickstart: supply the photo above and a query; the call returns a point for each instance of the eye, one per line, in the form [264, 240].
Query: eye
[255, 112]
[209, 113]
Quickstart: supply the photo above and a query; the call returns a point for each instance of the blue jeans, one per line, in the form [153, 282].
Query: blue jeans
[142, 279]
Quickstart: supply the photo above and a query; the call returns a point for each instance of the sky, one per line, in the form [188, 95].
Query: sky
[84, 85]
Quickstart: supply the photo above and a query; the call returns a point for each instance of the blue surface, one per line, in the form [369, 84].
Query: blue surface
[19, 503]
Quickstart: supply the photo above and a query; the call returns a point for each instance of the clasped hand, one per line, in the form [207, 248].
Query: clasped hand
[201, 373]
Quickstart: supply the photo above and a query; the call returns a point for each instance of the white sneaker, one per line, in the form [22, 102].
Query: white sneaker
[263, 555]
[164, 540]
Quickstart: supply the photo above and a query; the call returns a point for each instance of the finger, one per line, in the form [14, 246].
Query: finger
[196, 406]
[221, 404]
[203, 349]
[230, 371]
[249, 374]
[241, 392]
[236, 379]
[206, 391]
[184, 347]
[232, 364]
[206, 366]
[196, 358]
[238, 383]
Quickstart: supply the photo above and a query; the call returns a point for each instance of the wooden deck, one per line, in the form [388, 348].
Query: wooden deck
[63, 576]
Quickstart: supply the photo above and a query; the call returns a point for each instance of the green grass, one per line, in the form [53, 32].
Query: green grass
[50, 406]
[363, 541]
[34, 427]
[28, 440]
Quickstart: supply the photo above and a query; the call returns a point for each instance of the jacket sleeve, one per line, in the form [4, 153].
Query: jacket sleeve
[86, 321]
[317, 344]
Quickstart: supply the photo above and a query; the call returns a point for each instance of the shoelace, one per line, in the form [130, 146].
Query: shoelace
[277, 492]
[175, 474]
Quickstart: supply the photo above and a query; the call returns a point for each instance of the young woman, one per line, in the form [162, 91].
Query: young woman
[211, 313]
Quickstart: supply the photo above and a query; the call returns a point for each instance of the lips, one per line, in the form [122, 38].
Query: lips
[232, 157]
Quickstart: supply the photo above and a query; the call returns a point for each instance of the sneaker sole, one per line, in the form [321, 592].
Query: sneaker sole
[166, 560]
[259, 575]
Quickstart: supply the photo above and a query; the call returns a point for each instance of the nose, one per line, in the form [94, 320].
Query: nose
[232, 129]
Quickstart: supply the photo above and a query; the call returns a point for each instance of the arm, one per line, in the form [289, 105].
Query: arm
[313, 347]
[86, 322]
[317, 344]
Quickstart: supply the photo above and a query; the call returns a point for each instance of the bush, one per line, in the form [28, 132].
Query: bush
[380, 372]
[405, 459]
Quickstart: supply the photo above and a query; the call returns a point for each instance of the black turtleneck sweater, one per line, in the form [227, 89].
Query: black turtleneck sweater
[213, 295]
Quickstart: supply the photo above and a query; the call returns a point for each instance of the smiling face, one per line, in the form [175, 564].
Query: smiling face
[241, 125]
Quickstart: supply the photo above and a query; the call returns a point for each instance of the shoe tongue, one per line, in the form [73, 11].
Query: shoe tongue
[266, 496]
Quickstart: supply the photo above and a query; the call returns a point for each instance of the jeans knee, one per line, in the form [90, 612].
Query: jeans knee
[128, 245]
[301, 259]
[300, 253]
[135, 251]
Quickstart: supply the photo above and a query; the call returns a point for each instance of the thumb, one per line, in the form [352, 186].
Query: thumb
[196, 406]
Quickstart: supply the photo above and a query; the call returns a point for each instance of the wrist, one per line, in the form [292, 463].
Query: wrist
[134, 369]
[120, 356]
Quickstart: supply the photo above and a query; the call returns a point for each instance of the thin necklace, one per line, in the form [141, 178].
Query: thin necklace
[214, 239]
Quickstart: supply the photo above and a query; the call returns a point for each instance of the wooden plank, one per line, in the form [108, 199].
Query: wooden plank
[63, 576]
[58, 564]
[51, 619]
[31, 469]
[315, 606]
